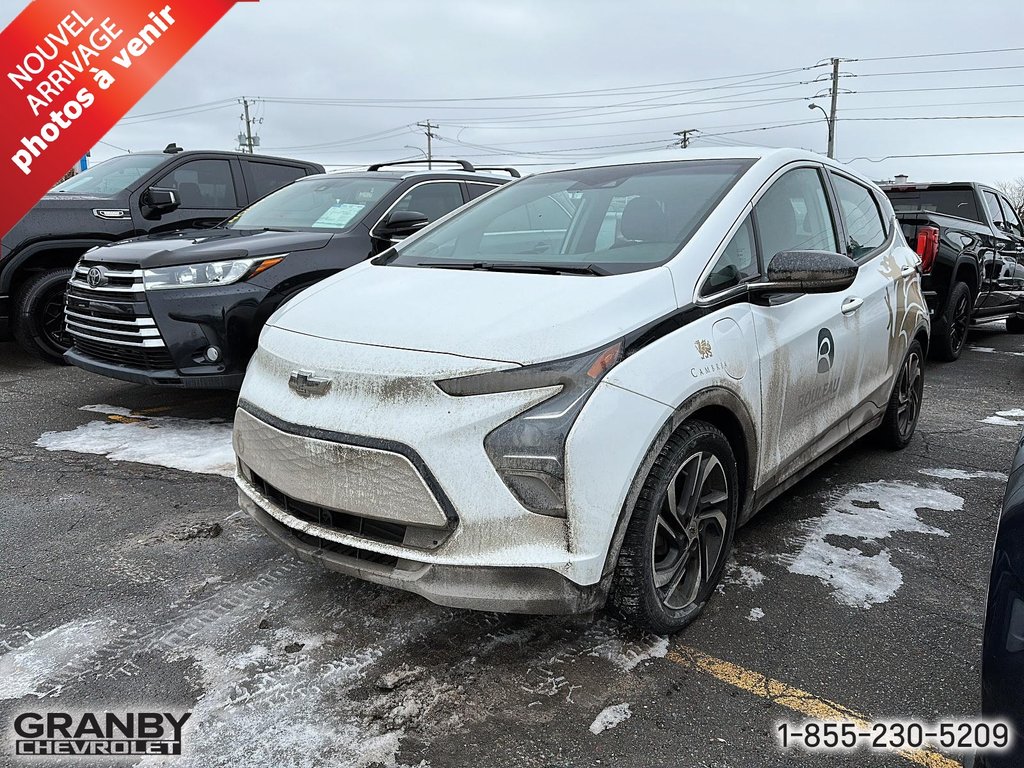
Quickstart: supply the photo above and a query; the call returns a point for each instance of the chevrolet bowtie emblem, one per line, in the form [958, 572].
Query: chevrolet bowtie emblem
[306, 384]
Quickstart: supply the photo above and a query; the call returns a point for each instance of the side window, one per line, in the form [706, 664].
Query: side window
[202, 184]
[432, 200]
[477, 189]
[793, 215]
[270, 177]
[864, 225]
[992, 203]
[737, 263]
[1011, 217]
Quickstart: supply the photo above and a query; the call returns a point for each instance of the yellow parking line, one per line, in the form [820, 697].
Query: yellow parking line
[793, 698]
[123, 419]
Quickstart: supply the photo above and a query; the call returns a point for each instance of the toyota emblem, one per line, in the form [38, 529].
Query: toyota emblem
[96, 276]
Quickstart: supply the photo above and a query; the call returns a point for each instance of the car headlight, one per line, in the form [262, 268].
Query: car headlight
[528, 451]
[203, 275]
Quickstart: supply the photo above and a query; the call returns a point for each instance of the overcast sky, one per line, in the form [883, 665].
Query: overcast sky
[648, 63]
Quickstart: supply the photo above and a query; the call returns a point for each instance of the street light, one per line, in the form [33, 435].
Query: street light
[831, 128]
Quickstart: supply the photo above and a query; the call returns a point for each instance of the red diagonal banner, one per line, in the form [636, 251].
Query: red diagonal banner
[70, 69]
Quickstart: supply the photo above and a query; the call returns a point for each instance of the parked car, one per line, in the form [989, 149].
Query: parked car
[971, 244]
[119, 198]
[1002, 668]
[527, 409]
[185, 308]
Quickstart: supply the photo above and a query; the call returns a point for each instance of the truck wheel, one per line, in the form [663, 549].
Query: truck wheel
[904, 407]
[951, 329]
[1015, 325]
[680, 533]
[39, 315]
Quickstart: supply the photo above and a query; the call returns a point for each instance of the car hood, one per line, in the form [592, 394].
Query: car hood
[196, 246]
[501, 316]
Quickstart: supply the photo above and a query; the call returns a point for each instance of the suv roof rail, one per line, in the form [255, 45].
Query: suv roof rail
[466, 165]
[515, 174]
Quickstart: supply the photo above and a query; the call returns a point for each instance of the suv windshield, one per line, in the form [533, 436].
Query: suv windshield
[952, 201]
[111, 176]
[316, 203]
[607, 220]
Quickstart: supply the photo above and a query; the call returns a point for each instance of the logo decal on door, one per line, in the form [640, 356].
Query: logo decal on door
[826, 350]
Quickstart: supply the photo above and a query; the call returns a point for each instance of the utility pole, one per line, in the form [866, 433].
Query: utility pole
[428, 130]
[684, 136]
[832, 111]
[246, 140]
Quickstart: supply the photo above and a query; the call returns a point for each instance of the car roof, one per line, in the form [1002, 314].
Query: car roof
[777, 156]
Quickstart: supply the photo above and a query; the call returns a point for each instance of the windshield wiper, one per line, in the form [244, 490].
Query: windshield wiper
[545, 269]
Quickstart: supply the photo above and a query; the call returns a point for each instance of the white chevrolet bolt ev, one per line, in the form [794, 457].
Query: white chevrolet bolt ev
[574, 389]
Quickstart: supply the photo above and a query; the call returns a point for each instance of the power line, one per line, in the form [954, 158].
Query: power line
[935, 55]
[936, 154]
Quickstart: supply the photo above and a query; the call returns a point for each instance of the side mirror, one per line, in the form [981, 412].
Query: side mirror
[160, 200]
[808, 272]
[401, 224]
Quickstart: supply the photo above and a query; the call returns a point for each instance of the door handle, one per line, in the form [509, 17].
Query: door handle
[908, 271]
[851, 305]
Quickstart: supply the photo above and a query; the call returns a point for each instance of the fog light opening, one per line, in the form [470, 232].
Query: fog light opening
[213, 354]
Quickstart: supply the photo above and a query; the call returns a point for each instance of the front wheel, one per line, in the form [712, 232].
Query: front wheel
[951, 328]
[680, 533]
[39, 315]
[904, 407]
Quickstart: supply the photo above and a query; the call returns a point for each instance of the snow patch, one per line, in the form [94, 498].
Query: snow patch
[868, 513]
[610, 717]
[992, 350]
[190, 445]
[626, 655]
[24, 671]
[959, 474]
[1010, 418]
[756, 614]
[743, 575]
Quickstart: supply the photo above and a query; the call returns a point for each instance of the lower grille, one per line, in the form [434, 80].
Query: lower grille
[344, 550]
[343, 522]
[142, 359]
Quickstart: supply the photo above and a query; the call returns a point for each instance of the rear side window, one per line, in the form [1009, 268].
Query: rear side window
[476, 189]
[864, 226]
[992, 203]
[737, 263]
[793, 215]
[270, 177]
[202, 184]
[1011, 217]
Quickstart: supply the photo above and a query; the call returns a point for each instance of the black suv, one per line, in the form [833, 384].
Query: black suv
[185, 309]
[122, 197]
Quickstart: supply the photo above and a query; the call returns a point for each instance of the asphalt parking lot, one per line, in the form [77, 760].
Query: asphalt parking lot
[131, 582]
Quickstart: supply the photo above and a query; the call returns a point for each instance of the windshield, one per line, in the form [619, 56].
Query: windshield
[111, 176]
[319, 203]
[952, 201]
[606, 220]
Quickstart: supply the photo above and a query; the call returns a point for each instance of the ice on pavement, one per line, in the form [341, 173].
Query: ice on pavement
[867, 513]
[948, 473]
[191, 445]
[1010, 418]
[25, 671]
[610, 717]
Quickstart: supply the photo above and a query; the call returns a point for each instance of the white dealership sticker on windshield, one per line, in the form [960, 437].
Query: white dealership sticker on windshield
[339, 215]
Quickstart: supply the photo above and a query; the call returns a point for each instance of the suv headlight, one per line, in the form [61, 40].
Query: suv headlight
[202, 275]
[528, 451]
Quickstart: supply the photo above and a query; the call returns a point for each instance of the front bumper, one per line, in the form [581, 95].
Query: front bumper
[156, 378]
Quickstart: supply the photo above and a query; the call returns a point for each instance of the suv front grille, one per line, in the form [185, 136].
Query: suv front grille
[112, 322]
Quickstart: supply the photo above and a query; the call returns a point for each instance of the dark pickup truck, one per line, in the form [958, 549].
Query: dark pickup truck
[137, 194]
[971, 245]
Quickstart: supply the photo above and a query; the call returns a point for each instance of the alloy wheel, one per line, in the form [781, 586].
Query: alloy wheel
[52, 324]
[691, 530]
[958, 328]
[909, 392]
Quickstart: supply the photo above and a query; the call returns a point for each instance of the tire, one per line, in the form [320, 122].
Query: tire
[904, 407]
[1015, 324]
[39, 315]
[950, 334]
[661, 547]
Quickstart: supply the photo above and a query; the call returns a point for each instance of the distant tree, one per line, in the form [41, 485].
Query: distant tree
[1014, 191]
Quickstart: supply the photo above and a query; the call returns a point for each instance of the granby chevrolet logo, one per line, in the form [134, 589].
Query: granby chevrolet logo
[106, 733]
[306, 383]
